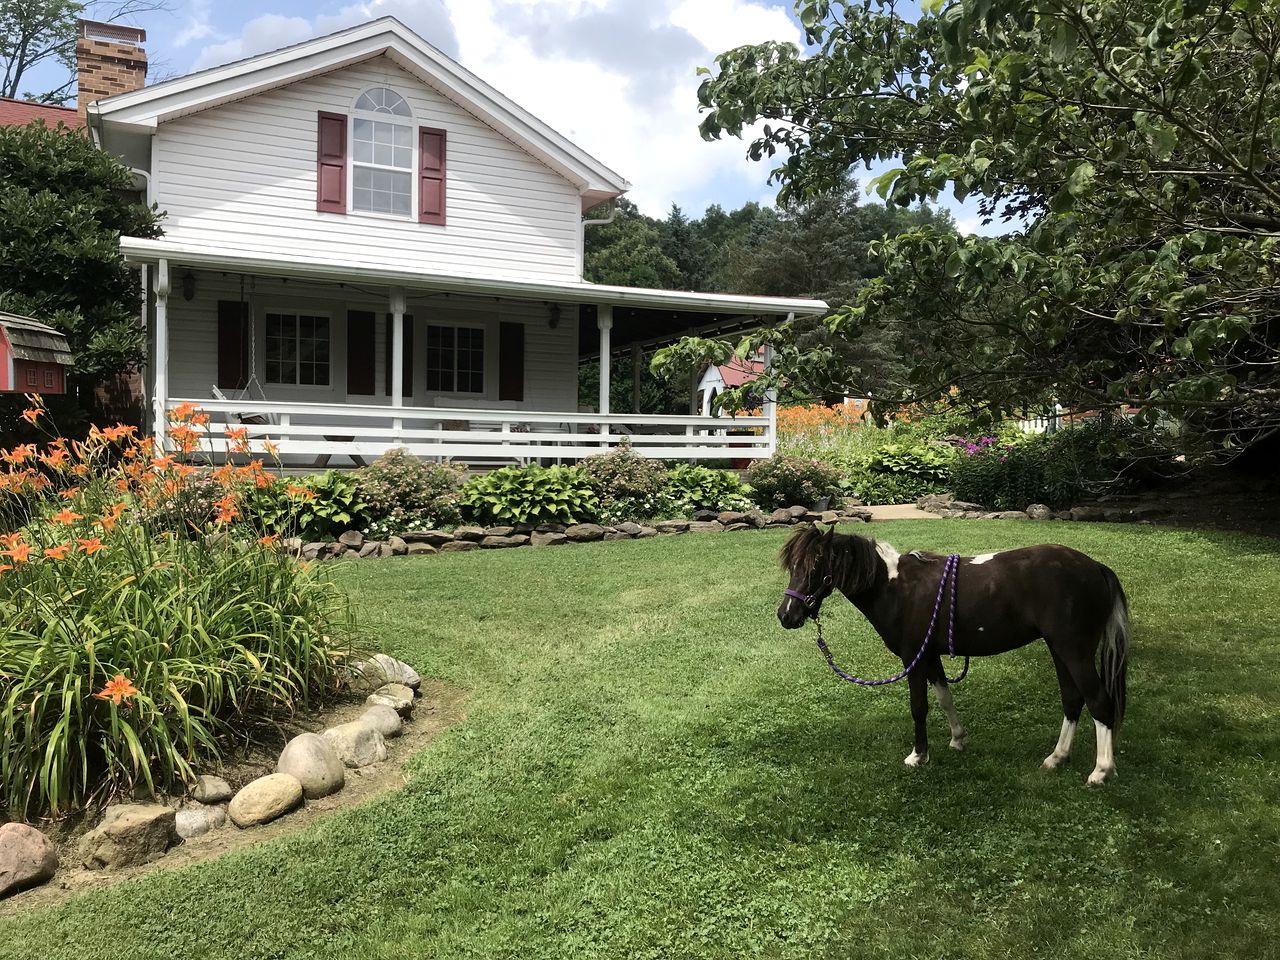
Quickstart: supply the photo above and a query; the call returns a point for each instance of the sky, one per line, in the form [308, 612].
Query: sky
[618, 77]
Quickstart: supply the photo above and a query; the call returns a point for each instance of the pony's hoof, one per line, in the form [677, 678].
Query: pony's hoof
[916, 759]
[959, 743]
[1054, 760]
[1100, 776]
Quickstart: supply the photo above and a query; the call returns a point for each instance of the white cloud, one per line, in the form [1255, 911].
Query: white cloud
[968, 225]
[271, 31]
[199, 24]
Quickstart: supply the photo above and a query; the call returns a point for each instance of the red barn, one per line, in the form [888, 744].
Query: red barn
[33, 356]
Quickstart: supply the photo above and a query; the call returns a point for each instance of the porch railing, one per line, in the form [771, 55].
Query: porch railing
[367, 431]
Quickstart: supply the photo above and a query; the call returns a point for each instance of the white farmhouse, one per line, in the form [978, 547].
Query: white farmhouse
[366, 246]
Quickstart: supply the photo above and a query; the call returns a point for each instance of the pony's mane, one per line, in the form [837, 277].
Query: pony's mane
[850, 560]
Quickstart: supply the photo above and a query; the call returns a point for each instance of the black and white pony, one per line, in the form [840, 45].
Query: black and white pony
[1002, 601]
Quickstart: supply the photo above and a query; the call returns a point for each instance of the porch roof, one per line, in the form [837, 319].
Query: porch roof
[654, 315]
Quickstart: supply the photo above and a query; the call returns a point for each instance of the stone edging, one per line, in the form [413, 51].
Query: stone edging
[950, 509]
[352, 544]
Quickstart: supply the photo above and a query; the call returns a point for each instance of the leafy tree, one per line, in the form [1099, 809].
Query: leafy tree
[34, 33]
[1138, 143]
[63, 206]
[628, 252]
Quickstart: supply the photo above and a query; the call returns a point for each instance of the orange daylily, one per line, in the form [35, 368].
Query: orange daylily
[270, 447]
[5, 566]
[239, 439]
[31, 414]
[59, 552]
[19, 552]
[118, 688]
[69, 493]
[118, 432]
[270, 540]
[296, 491]
[67, 516]
[20, 454]
[8, 540]
[227, 508]
[91, 545]
[182, 411]
[112, 516]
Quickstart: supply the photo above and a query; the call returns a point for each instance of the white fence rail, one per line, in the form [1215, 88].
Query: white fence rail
[367, 431]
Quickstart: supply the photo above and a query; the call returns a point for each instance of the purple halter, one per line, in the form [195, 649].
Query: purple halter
[949, 572]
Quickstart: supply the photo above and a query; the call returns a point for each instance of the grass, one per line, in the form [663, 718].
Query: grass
[652, 768]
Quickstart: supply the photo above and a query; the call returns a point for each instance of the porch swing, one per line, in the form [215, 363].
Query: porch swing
[252, 383]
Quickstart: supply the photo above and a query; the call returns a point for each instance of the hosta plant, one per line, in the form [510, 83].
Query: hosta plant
[530, 495]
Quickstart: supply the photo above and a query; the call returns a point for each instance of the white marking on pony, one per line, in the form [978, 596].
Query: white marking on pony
[1106, 764]
[948, 704]
[1061, 752]
[890, 557]
[981, 559]
[916, 759]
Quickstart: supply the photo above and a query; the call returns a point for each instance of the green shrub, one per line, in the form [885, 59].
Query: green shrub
[530, 495]
[1058, 469]
[627, 485]
[690, 488]
[400, 492]
[782, 481]
[899, 473]
[314, 508]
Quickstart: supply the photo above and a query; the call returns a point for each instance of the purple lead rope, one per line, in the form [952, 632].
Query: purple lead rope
[949, 572]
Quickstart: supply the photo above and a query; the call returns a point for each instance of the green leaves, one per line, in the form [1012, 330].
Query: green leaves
[530, 494]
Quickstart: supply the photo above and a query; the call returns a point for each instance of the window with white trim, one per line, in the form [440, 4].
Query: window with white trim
[455, 359]
[382, 152]
[297, 349]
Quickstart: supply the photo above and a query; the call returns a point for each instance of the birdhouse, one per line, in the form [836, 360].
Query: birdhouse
[33, 356]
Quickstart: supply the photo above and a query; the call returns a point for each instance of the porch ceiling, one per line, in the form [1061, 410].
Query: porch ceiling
[640, 315]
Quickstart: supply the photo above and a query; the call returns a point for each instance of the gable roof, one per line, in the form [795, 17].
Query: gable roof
[153, 105]
[18, 113]
[32, 340]
[739, 371]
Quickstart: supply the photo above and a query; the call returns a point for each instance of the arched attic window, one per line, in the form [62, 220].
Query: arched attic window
[382, 153]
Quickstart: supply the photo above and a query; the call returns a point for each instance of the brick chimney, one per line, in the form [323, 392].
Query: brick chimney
[109, 60]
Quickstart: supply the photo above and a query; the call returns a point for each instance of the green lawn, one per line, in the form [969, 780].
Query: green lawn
[651, 767]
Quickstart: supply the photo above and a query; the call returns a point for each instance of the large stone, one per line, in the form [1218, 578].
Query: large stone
[394, 695]
[797, 512]
[265, 799]
[1038, 511]
[351, 538]
[708, 526]
[434, 538]
[756, 519]
[629, 528]
[781, 515]
[616, 535]
[292, 546]
[548, 539]
[366, 676]
[314, 762]
[704, 515]
[469, 533]
[397, 671]
[499, 543]
[737, 526]
[1086, 513]
[499, 531]
[198, 820]
[371, 549]
[550, 528]
[130, 833]
[672, 526]
[728, 517]
[27, 858]
[829, 516]
[209, 789]
[583, 532]
[646, 532]
[358, 744]
[421, 549]
[314, 551]
[398, 546]
[383, 719]
[1010, 515]
[460, 546]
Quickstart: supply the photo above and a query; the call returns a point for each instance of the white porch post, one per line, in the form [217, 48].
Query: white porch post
[771, 397]
[159, 414]
[397, 355]
[637, 364]
[604, 321]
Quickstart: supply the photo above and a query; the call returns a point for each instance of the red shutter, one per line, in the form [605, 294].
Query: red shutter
[511, 361]
[360, 352]
[431, 173]
[233, 344]
[331, 163]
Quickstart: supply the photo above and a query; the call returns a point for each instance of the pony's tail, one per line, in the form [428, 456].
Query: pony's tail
[1115, 644]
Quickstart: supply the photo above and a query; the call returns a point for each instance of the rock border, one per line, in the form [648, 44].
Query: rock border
[945, 506]
[351, 544]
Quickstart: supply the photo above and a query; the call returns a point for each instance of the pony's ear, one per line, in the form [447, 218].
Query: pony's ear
[831, 533]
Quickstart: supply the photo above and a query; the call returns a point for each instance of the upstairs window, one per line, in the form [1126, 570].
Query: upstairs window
[382, 161]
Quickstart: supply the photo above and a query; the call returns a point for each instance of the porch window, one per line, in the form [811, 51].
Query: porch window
[455, 359]
[297, 349]
[382, 154]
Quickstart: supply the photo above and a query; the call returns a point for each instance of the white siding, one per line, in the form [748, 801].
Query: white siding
[243, 177]
[551, 360]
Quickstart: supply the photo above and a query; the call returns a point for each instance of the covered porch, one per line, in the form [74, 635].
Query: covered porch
[336, 364]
